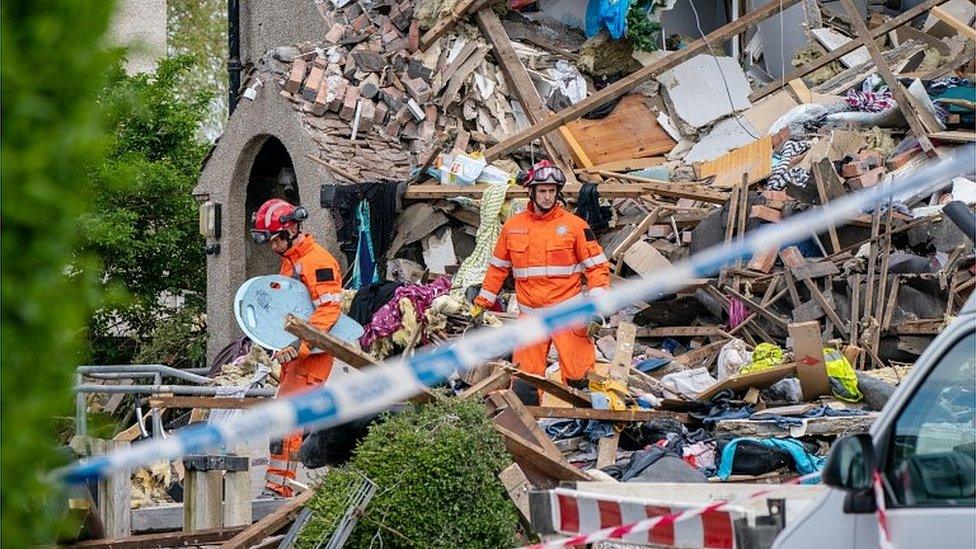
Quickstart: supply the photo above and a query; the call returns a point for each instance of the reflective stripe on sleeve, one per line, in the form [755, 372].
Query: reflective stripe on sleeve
[328, 298]
[594, 261]
[500, 263]
[488, 295]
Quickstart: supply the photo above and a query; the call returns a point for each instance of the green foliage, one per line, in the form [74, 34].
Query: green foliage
[436, 470]
[53, 64]
[643, 33]
[179, 341]
[145, 223]
[198, 28]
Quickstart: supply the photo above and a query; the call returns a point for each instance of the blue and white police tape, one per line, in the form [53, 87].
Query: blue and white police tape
[397, 379]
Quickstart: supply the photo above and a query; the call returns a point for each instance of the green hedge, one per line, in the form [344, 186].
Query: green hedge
[436, 469]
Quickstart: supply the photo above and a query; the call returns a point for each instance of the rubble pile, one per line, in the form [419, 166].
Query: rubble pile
[427, 112]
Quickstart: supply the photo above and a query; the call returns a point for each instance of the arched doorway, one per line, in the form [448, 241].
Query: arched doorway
[272, 175]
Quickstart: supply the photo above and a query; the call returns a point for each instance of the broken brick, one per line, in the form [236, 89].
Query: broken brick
[901, 159]
[313, 82]
[370, 87]
[369, 61]
[765, 213]
[763, 262]
[867, 179]
[335, 34]
[853, 169]
[381, 111]
[296, 77]
[417, 88]
[348, 110]
[779, 196]
[321, 103]
[337, 96]
[360, 23]
[659, 231]
[413, 36]
[871, 157]
[367, 115]
[792, 257]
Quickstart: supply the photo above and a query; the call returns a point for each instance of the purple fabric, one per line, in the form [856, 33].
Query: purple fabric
[869, 101]
[737, 312]
[388, 318]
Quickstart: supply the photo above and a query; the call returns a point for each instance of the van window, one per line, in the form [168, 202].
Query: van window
[933, 450]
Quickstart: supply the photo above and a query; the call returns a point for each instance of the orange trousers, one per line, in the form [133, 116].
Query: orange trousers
[577, 355]
[296, 377]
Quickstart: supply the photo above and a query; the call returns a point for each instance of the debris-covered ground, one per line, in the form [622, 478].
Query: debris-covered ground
[423, 110]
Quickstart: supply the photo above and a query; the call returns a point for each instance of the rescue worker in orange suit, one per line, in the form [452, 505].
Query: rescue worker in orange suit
[277, 223]
[548, 249]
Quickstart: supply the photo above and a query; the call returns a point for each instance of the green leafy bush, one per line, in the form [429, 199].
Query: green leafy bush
[144, 224]
[53, 134]
[436, 470]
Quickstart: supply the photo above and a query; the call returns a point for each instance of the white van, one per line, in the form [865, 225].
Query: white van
[924, 446]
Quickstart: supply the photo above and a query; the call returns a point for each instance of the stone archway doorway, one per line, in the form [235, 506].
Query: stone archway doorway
[272, 175]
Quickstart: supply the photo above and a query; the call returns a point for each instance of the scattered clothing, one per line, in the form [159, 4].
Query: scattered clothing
[364, 268]
[870, 101]
[473, 268]
[764, 357]
[820, 411]
[561, 429]
[655, 464]
[389, 318]
[843, 379]
[382, 200]
[784, 173]
[370, 298]
[588, 207]
[759, 456]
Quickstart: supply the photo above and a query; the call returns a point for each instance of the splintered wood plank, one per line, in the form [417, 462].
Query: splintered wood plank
[269, 524]
[629, 82]
[531, 458]
[754, 159]
[960, 27]
[630, 131]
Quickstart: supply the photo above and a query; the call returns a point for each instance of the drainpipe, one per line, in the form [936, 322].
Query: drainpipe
[233, 52]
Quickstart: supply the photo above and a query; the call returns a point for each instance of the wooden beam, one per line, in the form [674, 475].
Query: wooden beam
[629, 82]
[636, 234]
[623, 355]
[525, 91]
[167, 539]
[559, 390]
[205, 402]
[435, 191]
[887, 27]
[602, 415]
[345, 352]
[680, 331]
[961, 27]
[269, 524]
[826, 307]
[759, 309]
[510, 413]
[667, 188]
[818, 178]
[920, 120]
[445, 24]
[530, 456]
[499, 379]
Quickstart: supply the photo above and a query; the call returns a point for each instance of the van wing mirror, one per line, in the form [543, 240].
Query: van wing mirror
[850, 463]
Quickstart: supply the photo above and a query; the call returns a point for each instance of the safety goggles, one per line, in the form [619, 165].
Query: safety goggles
[263, 237]
[548, 174]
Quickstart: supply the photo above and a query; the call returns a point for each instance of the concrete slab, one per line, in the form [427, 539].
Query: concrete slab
[833, 40]
[725, 136]
[697, 92]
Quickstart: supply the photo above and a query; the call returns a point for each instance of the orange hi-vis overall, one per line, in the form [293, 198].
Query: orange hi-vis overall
[548, 254]
[319, 272]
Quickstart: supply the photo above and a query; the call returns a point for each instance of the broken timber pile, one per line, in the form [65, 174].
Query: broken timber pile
[689, 150]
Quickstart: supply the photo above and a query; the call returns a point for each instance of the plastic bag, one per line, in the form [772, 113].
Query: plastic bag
[611, 14]
[733, 356]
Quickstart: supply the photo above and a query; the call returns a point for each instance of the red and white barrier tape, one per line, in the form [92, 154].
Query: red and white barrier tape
[711, 529]
[884, 535]
[709, 526]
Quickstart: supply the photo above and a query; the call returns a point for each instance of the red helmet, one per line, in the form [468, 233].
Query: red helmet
[544, 173]
[273, 217]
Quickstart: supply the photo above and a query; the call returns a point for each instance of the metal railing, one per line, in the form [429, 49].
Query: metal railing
[200, 387]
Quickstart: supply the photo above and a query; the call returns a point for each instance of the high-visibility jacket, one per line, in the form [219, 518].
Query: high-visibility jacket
[547, 254]
[319, 272]
[310, 263]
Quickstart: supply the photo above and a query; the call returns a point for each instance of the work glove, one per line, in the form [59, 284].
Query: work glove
[477, 314]
[286, 355]
[593, 328]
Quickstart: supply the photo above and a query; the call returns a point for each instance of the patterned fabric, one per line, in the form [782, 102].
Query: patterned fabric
[871, 101]
[364, 271]
[783, 171]
[474, 267]
[389, 318]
